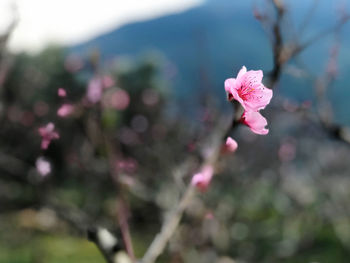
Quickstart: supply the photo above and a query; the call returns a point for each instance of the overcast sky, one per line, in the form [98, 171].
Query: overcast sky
[73, 21]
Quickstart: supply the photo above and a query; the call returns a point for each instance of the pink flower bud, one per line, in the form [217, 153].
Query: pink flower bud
[47, 134]
[65, 110]
[231, 145]
[43, 166]
[202, 179]
[61, 92]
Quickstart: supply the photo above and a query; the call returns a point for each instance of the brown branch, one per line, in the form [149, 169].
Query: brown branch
[299, 48]
[168, 228]
[108, 243]
[283, 52]
[308, 16]
[123, 211]
[102, 137]
[278, 42]
[173, 219]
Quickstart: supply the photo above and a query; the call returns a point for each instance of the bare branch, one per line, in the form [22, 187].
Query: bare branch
[108, 244]
[278, 41]
[299, 48]
[168, 228]
[173, 219]
[308, 16]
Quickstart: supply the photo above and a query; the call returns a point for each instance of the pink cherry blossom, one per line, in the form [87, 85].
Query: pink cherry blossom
[128, 165]
[231, 145]
[108, 81]
[209, 215]
[43, 166]
[119, 99]
[61, 92]
[255, 121]
[65, 110]
[248, 90]
[47, 133]
[202, 179]
[94, 90]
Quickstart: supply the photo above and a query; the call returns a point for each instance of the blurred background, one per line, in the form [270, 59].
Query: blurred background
[107, 108]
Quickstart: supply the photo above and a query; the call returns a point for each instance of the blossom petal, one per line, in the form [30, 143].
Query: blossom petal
[231, 144]
[252, 77]
[43, 166]
[94, 90]
[65, 110]
[255, 121]
[47, 133]
[202, 179]
[229, 86]
[258, 99]
[242, 72]
[61, 92]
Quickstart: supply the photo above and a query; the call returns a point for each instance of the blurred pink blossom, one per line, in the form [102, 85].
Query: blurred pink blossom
[65, 110]
[332, 67]
[248, 90]
[255, 121]
[202, 179]
[128, 165]
[94, 90]
[107, 81]
[231, 145]
[287, 150]
[43, 166]
[47, 133]
[150, 97]
[209, 215]
[119, 99]
[61, 92]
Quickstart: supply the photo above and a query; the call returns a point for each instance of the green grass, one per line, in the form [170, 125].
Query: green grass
[50, 248]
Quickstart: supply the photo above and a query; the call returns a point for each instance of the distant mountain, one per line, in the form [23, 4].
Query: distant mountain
[208, 38]
[211, 42]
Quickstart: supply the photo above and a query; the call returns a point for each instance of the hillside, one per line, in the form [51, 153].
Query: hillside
[210, 42]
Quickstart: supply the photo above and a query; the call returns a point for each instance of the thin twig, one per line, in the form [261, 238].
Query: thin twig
[106, 242]
[122, 208]
[307, 17]
[278, 42]
[173, 219]
[168, 227]
[299, 48]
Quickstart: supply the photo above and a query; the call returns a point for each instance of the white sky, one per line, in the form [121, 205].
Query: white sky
[73, 21]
